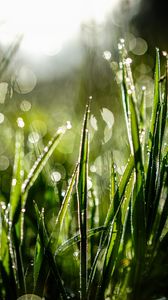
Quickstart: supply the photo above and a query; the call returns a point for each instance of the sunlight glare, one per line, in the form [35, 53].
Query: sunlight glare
[47, 25]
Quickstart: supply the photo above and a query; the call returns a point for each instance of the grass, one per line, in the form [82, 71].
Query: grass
[124, 257]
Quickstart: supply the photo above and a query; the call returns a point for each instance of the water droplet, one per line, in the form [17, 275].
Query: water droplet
[143, 88]
[164, 53]
[128, 61]
[46, 149]
[107, 55]
[90, 97]
[76, 254]
[23, 210]
[61, 130]
[122, 41]
[63, 193]
[120, 46]
[55, 176]
[3, 205]
[68, 125]
[14, 181]
[20, 122]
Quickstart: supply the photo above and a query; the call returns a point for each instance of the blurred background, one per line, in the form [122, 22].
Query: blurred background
[56, 54]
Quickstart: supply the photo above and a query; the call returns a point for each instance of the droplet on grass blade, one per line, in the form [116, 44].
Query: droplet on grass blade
[122, 41]
[55, 176]
[20, 122]
[14, 181]
[107, 55]
[164, 53]
[120, 46]
[68, 125]
[128, 61]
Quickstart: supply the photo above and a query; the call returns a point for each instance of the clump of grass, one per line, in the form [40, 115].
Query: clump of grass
[121, 258]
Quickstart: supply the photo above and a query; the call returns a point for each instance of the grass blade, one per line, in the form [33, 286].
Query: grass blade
[82, 203]
[17, 178]
[42, 160]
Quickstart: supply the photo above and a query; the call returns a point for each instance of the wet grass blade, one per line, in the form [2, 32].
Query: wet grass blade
[111, 216]
[46, 243]
[17, 178]
[37, 168]
[153, 148]
[82, 196]
[115, 241]
[120, 190]
[77, 238]
[42, 160]
[53, 240]
[46, 259]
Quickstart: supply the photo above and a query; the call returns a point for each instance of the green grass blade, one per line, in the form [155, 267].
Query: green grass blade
[115, 241]
[156, 102]
[111, 215]
[155, 145]
[47, 258]
[42, 160]
[76, 239]
[161, 214]
[120, 190]
[82, 195]
[17, 178]
[52, 245]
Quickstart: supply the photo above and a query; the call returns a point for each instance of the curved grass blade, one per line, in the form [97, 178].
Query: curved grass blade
[42, 160]
[37, 168]
[76, 239]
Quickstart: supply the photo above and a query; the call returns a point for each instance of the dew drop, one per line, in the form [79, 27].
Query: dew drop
[128, 61]
[68, 125]
[14, 181]
[20, 122]
[107, 55]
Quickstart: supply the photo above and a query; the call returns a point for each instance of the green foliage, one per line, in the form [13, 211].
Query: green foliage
[118, 259]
